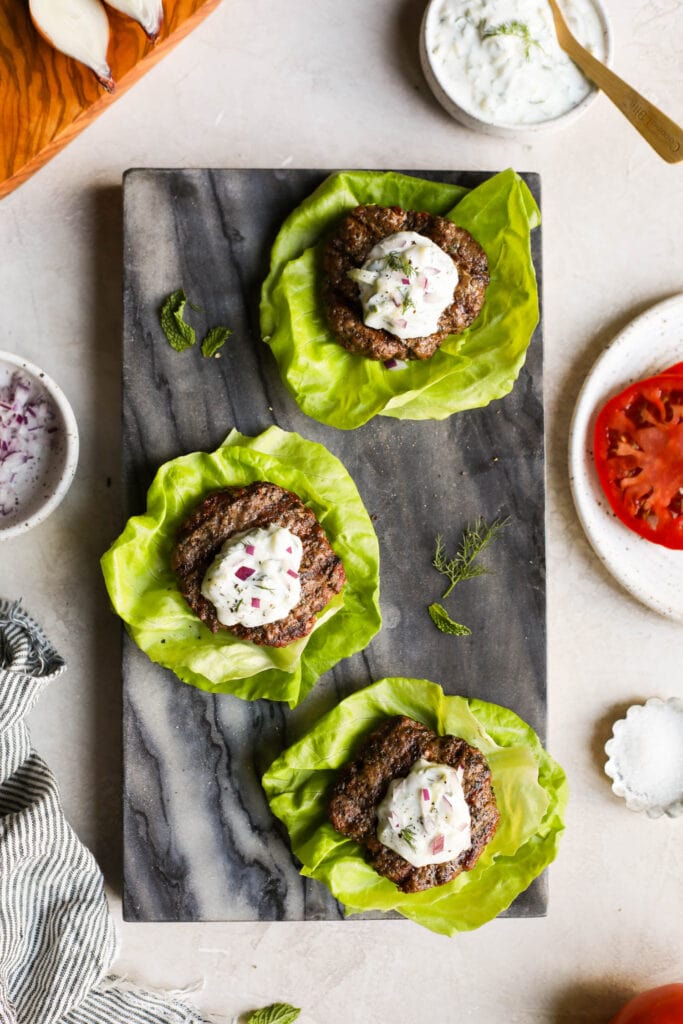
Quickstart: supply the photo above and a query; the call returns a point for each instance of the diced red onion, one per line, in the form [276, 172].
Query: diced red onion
[295, 575]
[405, 280]
[401, 323]
[19, 442]
[289, 551]
[244, 572]
[256, 602]
[438, 844]
[250, 549]
[390, 364]
[425, 794]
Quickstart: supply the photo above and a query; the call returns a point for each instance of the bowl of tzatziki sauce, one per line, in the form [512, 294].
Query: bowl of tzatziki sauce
[496, 65]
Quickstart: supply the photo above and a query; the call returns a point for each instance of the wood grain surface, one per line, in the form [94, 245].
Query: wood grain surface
[200, 843]
[46, 98]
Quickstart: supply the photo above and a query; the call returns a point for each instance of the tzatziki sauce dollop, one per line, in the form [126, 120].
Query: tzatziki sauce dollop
[405, 284]
[424, 817]
[500, 61]
[254, 579]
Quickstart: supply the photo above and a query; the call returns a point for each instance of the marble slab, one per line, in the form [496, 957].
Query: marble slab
[199, 841]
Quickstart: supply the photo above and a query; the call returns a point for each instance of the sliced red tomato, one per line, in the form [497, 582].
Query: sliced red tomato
[638, 448]
[662, 1005]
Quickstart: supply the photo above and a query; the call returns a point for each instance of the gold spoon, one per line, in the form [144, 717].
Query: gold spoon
[663, 134]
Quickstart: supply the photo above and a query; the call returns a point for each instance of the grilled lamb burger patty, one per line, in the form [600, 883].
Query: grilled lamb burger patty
[349, 248]
[388, 754]
[235, 510]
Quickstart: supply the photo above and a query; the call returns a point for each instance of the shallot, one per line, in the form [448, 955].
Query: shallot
[77, 28]
[148, 13]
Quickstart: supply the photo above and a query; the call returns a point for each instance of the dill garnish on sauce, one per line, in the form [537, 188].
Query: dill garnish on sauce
[509, 28]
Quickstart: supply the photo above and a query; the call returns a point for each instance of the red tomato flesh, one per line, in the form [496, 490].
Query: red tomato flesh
[662, 1005]
[638, 448]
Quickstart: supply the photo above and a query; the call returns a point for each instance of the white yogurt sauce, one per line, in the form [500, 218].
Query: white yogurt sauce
[254, 578]
[29, 437]
[501, 62]
[405, 284]
[424, 817]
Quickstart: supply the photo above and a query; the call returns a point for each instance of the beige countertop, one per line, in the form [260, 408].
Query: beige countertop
[339, 85]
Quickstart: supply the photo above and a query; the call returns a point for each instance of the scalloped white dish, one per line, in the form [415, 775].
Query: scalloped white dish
[38, 447]
[652, 573]
[645, 757]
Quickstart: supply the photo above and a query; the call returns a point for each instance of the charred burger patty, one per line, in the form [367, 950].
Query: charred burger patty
[258, 505]
[388, 754]
[350, 247]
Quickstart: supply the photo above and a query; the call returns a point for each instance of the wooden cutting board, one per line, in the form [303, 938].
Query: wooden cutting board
[200, 843]
[46, 99]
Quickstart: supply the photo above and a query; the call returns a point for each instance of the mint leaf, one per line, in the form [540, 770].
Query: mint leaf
[278, 1013]
[444, 622]
[178, 334]
[214, 340]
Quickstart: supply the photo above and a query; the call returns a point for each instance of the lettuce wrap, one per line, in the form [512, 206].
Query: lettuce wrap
[344, 389]
[144, 592]
[530, 788]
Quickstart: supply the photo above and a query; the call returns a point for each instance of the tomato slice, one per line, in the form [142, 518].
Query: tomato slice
[638, 450]
[663, 1005]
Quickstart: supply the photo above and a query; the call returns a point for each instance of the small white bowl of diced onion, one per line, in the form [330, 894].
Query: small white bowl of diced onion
[496, 65]
[38, 445]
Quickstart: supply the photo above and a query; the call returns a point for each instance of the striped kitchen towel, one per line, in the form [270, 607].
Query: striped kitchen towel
[57, 939]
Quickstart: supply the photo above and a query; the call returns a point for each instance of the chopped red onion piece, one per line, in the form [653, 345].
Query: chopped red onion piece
[438, 844]
[425, 794]
[244, 572]
[295, 575]
[390, 363]
[256, 602]
[250, 549]
[405, 280]
[289, 551]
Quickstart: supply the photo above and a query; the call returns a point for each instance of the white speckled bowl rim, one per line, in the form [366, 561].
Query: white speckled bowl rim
[469, 120]
[71, 442]
[638, 713]
[649, 344]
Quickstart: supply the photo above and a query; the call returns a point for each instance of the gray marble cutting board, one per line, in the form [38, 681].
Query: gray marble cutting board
[199, 841]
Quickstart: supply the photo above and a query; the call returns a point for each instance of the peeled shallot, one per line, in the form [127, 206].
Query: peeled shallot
[78, 28]
[148, 13]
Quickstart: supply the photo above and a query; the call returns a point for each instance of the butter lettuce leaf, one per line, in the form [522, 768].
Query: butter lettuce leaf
[530, 788]
[346, 390]
[143, 589]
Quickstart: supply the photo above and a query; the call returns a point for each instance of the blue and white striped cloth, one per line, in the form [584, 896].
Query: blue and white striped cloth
[57, 939]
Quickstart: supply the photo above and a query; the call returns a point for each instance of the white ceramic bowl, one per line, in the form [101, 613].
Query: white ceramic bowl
[42, 491]
[466, 117]
[645, 757]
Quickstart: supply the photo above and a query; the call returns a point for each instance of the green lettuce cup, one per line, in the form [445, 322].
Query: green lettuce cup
[530, 788]
[469, 370]
[143, 589]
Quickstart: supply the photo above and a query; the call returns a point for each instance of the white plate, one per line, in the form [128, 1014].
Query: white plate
[650, 344]
[42, 491]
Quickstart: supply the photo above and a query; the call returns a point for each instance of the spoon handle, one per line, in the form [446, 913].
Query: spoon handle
[663, 134]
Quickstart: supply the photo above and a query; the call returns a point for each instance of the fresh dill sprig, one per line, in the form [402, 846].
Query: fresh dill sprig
[407, 834]
[464, 564]
[399, 261]
[407, 302]
[509, 28]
